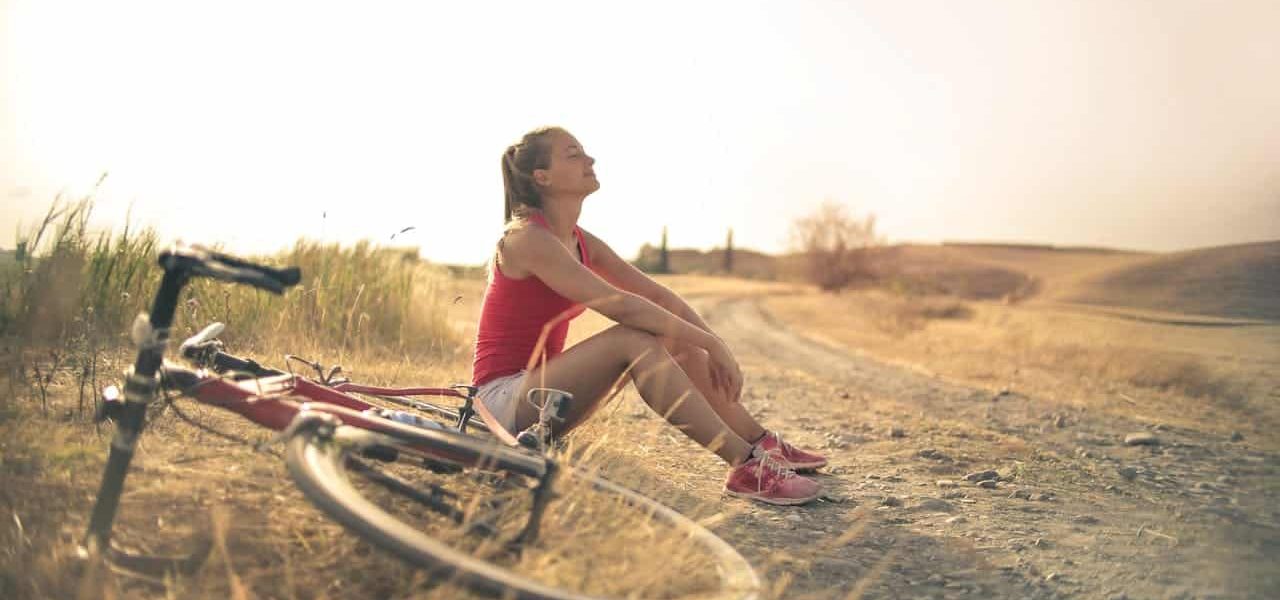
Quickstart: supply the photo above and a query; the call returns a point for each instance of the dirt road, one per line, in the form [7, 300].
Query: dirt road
[1073, 510]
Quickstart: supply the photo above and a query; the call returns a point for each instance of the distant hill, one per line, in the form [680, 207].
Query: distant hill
[908, 268]
[1241, 281]
[1054, 268]
[984, 271]
[953, 271]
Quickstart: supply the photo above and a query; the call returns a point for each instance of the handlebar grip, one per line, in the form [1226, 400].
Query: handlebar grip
[288, 277]
[223, 362]
[216, 265]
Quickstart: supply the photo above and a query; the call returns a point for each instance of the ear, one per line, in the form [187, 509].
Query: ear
[541, 177]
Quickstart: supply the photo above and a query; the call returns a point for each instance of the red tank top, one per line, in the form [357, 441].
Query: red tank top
[513, 315]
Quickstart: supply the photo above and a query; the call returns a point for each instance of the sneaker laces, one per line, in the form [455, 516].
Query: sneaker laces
[769, 461]
[782, 444]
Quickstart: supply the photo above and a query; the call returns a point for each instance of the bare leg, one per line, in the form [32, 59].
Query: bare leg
[590, 369]
[696, 364]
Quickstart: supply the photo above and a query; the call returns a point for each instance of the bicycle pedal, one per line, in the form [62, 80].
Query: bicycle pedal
[440, 467]
[532, 438]
[381, 453]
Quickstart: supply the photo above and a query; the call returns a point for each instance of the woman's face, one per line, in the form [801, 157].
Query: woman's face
[570, 171]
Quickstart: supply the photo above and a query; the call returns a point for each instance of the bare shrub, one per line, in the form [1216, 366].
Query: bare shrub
[901, 315]
[1142, 368]
[945, 309]
[835, 246]
[1183, 374]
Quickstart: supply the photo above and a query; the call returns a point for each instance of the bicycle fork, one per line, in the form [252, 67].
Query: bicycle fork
[150, 334]
[542, 494]
[139, 391]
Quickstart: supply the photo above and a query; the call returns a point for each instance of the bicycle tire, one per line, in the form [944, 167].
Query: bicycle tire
[318, 462]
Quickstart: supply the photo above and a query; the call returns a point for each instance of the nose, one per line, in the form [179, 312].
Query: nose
[590, 160]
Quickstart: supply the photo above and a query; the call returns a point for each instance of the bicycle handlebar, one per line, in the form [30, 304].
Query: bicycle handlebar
[180, 264]
[216, 265]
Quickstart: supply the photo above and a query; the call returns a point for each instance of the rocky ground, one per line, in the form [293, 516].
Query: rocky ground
[939, 490]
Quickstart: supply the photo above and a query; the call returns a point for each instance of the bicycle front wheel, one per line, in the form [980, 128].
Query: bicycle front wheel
[589, 537]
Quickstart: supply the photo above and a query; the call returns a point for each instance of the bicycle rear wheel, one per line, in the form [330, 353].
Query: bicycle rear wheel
[472, 528]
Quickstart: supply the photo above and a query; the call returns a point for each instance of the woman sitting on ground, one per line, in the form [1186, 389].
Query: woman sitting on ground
[546, 270]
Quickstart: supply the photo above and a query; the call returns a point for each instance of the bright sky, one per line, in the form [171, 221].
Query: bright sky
[1149, 125]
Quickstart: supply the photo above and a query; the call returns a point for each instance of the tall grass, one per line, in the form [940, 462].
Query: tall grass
[72, 286]
[361, 299]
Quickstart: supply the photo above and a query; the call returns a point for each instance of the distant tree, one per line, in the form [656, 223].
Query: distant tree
[728, 252]
[664, 259]
[646, 259]
[835, 246]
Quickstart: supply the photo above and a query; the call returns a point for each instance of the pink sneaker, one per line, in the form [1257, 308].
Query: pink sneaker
[763, 478]
[789, 455]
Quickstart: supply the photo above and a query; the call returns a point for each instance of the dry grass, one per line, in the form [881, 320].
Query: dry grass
[1126, 366]
[394, 320]
[1056, 269]
[75, 289]
[901, 316]
[272, 543]
[391, 320]
[693, 287]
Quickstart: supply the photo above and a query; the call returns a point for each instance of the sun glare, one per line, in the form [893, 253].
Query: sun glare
[253, 124]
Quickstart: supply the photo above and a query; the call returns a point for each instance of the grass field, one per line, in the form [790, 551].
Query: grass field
[1195, 329]
[390, 318]
[386, 316]
[1116, 330]
[1051, 351]
[269, 541]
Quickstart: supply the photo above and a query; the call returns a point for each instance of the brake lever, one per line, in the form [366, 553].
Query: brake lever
[201, 346]
[289, 359]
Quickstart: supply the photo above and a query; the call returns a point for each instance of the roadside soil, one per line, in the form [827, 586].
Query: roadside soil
[1072, 509]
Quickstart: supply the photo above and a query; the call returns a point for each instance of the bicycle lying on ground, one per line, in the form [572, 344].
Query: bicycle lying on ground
[410, 498]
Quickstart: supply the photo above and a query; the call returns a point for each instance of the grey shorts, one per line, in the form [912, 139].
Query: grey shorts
[499, 396]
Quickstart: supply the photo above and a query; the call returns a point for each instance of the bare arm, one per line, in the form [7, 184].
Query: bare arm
[725, 373]
[536, 251]
[626, 276]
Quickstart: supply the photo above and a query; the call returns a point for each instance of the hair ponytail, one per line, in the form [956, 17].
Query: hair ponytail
[514, 190]
[519, 161]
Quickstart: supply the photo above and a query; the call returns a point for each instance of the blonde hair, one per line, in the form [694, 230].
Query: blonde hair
[533, 151]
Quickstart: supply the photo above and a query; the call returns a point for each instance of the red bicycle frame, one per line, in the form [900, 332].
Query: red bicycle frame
[276, 401]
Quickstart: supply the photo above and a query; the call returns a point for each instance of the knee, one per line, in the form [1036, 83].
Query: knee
[691, 356]
[636, 341]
